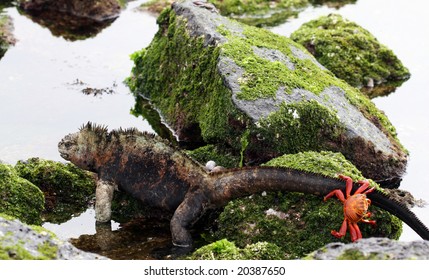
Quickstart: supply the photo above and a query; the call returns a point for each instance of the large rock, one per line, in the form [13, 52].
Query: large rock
[19, 241]
[222, 82]
[373, 249]
[98, 10]
[67, 189]
[352, 53]
[18, 197]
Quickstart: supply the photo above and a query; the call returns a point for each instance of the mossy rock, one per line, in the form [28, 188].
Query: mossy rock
[19, 197]
[299, 223]
[6, 36]
[332, 3]
[373, 249]
[260, 12]
[19, 241]
[226, 250]
[261, 95]
[67, 188]
[252, 12]
[352, 53]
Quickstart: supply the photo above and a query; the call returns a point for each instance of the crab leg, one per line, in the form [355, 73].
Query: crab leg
[349, 184]
[342, 231]
[354, 232]
[339, 194]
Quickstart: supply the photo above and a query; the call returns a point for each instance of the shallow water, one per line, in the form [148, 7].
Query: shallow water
[42, 78]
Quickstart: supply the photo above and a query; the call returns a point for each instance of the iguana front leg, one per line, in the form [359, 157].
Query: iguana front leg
[103, 200]
[188, 212]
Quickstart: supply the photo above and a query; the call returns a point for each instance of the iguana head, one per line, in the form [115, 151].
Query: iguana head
[82, 147]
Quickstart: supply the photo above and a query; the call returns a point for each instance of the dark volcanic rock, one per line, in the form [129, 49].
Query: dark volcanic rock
[98, 10]
[222, 82]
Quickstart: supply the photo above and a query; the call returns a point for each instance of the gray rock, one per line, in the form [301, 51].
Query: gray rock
[20, 241]
[260, 100]
[374, 249]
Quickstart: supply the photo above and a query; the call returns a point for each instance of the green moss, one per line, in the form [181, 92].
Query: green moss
[354, 254]
[179, 74]
[226, 250]
[19, 197]
[67, 188]
[298, 127]
[263, 77]
[350, 51]
[260, 12]
[326, 163]
[10, 249]
[222, 156]
[252, 12]
[178, 79]
[298, 223]
[5, 34]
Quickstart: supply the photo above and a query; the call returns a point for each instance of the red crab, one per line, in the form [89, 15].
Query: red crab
[355, 208]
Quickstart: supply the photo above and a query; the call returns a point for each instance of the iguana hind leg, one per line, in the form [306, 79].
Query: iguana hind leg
[185, 216]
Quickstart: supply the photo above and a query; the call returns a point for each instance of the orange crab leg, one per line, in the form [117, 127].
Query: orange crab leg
[363, 187]
[339, 194]
[342, 231]
[355, 232]
[349, 184]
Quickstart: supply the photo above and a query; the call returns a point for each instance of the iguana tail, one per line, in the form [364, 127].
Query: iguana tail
[231, 184]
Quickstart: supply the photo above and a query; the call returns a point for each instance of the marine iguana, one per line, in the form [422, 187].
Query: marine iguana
[159, 175]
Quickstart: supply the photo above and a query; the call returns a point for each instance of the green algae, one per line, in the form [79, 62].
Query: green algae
[260, 12]
[226, 250]
[351, 52]
[298, 223]
[252, 12]
[263, 77]
[19, 197]
[178, 79]
[6, 37]
[222, 156]
[298, 127]
[12, 250]
[67, 188]
[178, 72]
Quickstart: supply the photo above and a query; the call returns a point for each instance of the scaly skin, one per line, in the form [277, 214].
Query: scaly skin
[159, 175]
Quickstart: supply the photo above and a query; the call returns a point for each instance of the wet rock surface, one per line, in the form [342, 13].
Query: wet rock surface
[273, 95]
[374, 249]
[20, 241]
[97, 10]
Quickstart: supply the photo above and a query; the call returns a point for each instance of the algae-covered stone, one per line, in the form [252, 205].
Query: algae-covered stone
[259, 93]
[6, 36]
[226, 250]
[352, 53]
[19, 241]
[298, 223]
[252, 12]
[19, 197]
[67, 188]
[332, 3]
[373, 249]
